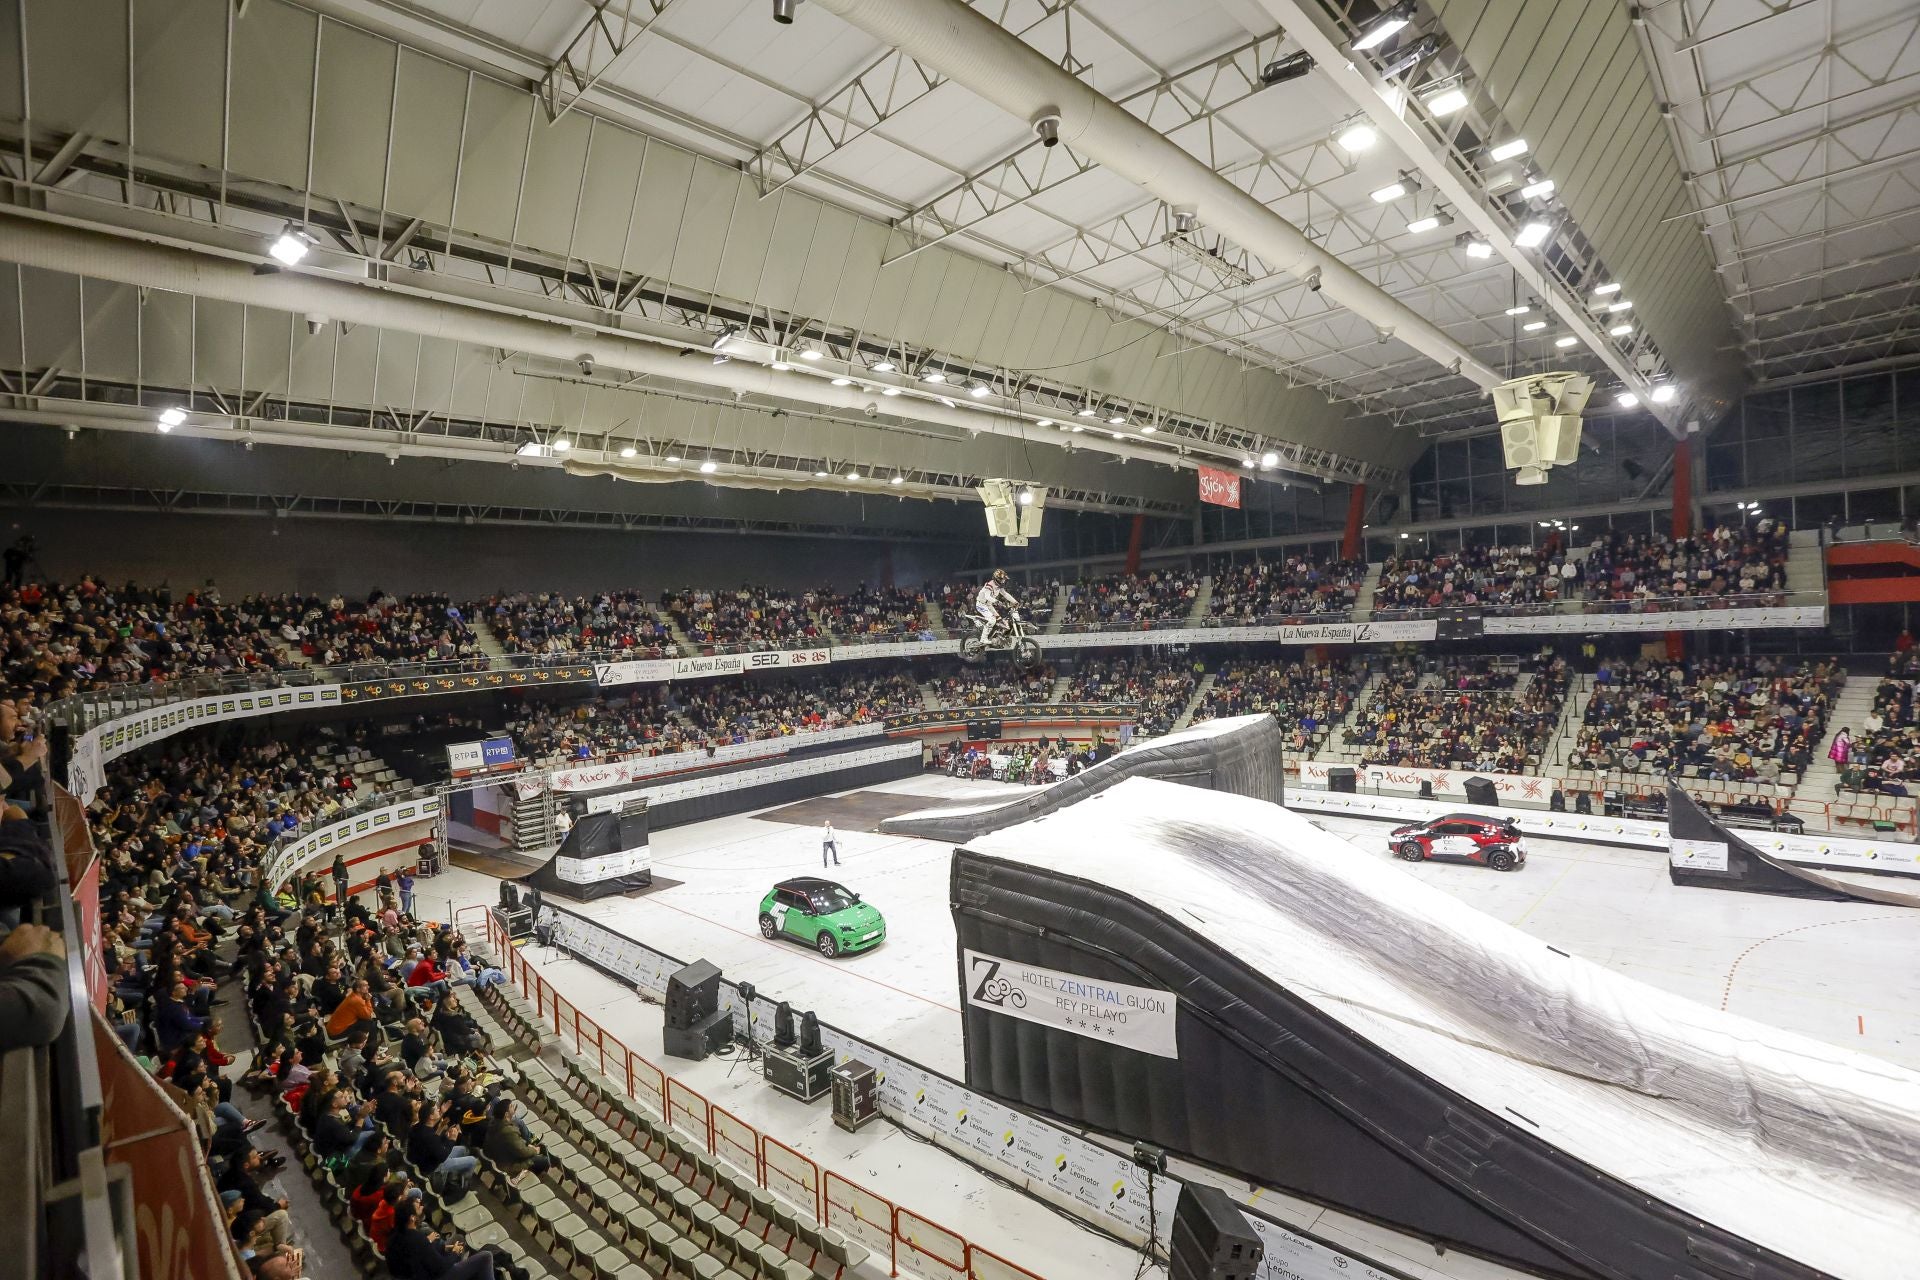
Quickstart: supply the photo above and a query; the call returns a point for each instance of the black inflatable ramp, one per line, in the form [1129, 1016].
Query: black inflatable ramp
[1217, 976]
[1241, 755]
[1706, 854]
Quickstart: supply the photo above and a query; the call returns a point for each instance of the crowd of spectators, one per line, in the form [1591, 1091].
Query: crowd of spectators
[1295, 587]
[991, 686]
[1730, 719]
[746, 617]
[1157, 689]
[549, 623]
[1470, 713]
[1476, 577]
[1885, 754]
[956, 604]
[385, 628]
[1157, 597]
[871, 613]
[1729, 560]
[1308, 697]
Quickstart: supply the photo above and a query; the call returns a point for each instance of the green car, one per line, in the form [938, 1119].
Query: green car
[826, 916]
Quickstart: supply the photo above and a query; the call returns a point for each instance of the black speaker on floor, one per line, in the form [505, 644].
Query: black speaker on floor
[1482, 791]
[708, 1035]
[1341, 778]
[693, 993]
[1212, 1239]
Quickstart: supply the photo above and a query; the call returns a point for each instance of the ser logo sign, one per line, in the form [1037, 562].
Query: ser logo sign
[992, 988]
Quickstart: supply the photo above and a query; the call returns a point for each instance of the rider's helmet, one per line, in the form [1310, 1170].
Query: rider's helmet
[1000, 576]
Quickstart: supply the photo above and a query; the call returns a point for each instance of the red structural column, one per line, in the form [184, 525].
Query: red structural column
[1682, 523]
[1356, 509]
[1134, 540]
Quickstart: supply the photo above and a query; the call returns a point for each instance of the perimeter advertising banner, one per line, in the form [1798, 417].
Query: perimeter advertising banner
[1113, 1012]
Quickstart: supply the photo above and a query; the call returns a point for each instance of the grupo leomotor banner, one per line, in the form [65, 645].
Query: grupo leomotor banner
[1221, 488]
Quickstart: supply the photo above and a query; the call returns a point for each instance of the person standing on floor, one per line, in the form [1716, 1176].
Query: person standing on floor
[828, 845]
[406, 891]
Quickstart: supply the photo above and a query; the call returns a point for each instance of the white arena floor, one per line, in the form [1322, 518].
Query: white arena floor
[1840, 972]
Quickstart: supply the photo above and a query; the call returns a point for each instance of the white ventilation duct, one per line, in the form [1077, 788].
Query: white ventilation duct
[38, 241]
[998, 66]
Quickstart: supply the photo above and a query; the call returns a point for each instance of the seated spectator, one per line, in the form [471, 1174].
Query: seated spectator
[1728, 719]
[1292, 586]
[1157, 597]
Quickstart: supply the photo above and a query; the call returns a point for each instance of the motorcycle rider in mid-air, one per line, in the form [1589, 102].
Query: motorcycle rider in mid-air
[992, 603]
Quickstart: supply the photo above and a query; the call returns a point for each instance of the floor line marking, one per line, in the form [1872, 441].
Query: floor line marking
[1726, 992]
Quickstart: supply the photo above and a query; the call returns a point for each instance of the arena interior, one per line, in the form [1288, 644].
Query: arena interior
[1329, 583]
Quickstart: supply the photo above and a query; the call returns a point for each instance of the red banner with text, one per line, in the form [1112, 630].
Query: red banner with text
[1221, 488]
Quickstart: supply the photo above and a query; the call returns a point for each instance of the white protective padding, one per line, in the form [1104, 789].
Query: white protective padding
[1800, 1147]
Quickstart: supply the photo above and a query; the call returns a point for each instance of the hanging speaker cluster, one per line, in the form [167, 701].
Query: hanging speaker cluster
[1540, 422]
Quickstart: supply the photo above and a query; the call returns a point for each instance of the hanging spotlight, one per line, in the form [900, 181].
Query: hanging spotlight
[562, 444]
[1269, 459]
[1088, 412]
[1446, 102]
[673, 457]
[1392, 191]
[1621, 330]
[809, 353]
[1520, 310]
[171, 418]
[889, 391]
[1291, 67]
[1045, 422]
[1665, 393]
[1601, 291]
[933, 375]
[1627, 400]
[853, 475]
[1356, 135]
[783, 11]
[898, 480]
[1475, 246]
[1438, 218]
[980, 389]
[727, 334]
[1534, 326]
[708, 467]
[1508, 150]
[1533, 235]
[1564, 343]
[291, 245]
[1618, 307]
[885, 366]
[820, 475]
[628, 451]
[1537, 190]
[1375, 33]
[843, 382]
[1026, 497]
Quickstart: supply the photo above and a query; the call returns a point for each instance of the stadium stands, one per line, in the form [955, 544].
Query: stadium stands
[1294, 587]
[1159, 689]
[1722, 719]
[1155, 597]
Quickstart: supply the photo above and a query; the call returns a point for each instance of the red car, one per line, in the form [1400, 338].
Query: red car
[1466, 837]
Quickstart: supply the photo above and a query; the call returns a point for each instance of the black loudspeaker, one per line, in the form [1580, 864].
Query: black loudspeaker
[693, 994]
[707, 1035]
[1211, 1237]
[1482, 791]
[1340, 778]
[1426, 788]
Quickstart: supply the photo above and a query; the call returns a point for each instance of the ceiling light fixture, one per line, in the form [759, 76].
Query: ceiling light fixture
[708, 467]
[673, 457]
[843, 382]
[291, 245]
[531, 449]
[1621, 330]
[1533, 235]
[1601, 291]
[1537, 190]
[628, 451]
[1026, 497]
[947, 402]
[1564, 343]
[1476, 247]
[1148, 430]
[1508, 150]
[1291, 67]
[933, 375]
[1269, 459]
[1627, 400]
[725, 336]
[1666, 393]
[1392, 191]
[1356, 135]
[1088, 412]
[885, 366]
[780, 361]
[820, 475]
[562, 444]
[1406, 60]
[1446, 102]
[1534, 326]
[980, 389]
[171, 418]
[1433, 221]
[853, 475]
[898, 480]
[1116, 419]
[809, 354]
[1045, 422]
[1618, 307]
[1519, 310]
[889, 391]
[1376, 33]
